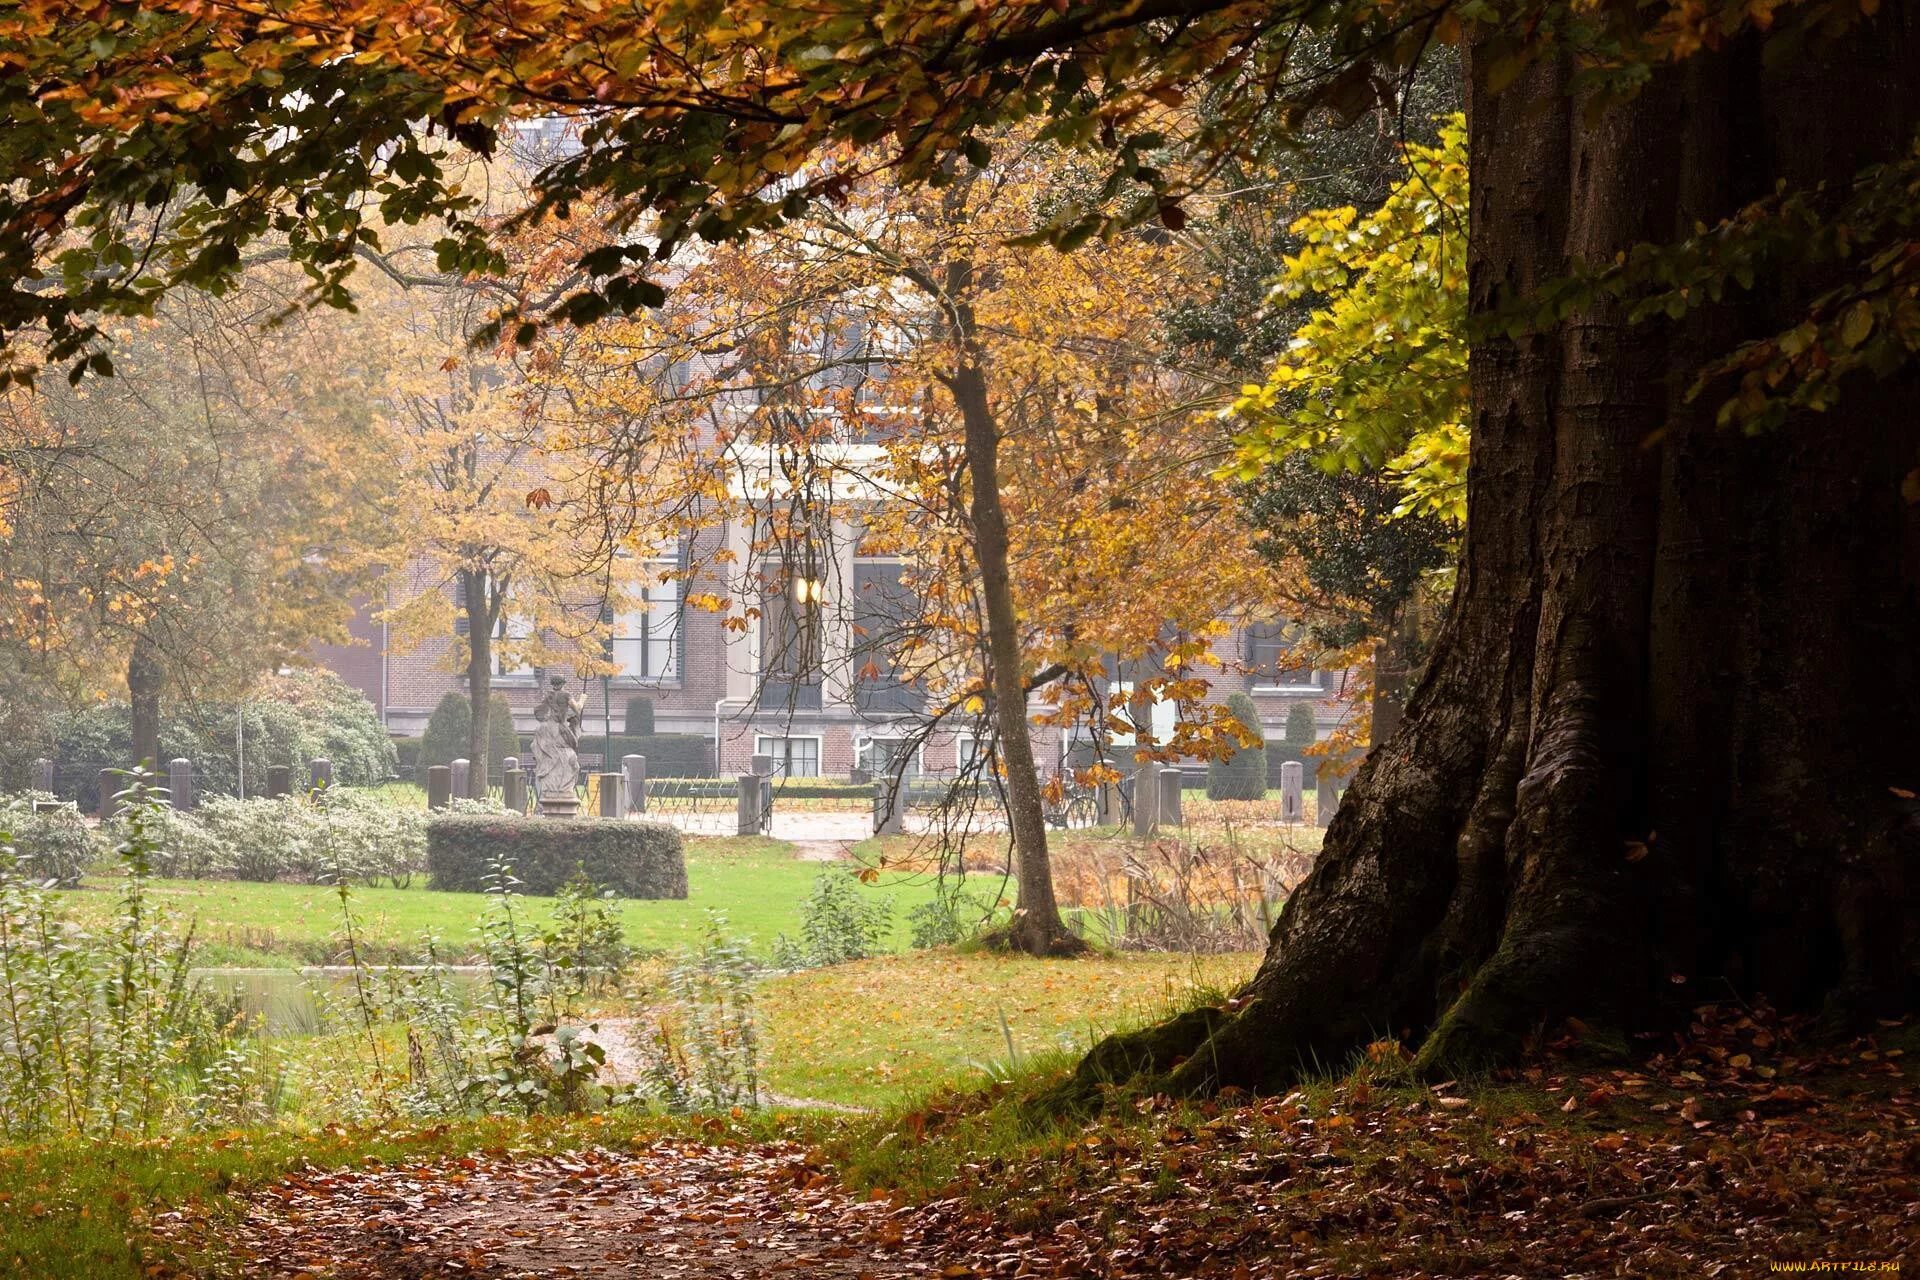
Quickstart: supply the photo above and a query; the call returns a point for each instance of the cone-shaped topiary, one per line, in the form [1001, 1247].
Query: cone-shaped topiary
[1243, 775]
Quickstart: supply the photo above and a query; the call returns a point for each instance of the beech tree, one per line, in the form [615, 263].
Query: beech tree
[1663, 748]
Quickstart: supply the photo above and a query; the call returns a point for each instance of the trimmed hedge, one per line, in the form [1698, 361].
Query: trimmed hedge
[639, 716]
[449, 734]
[633, 859]
[1300, 734]
[1242, 775]
[669, 755]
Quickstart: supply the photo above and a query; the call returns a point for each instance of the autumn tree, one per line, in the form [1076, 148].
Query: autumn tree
[1685, 220]
[997, 417]
[193, 523]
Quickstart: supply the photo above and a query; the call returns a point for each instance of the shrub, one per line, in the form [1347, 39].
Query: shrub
[52, 845]
[633, 859]
[639, 722]
[1300, 734]
[1242, 775]
[406, 755]
[340, 833]
[953, 916]
[450, 731]
[293, 719]
[703, 1053]
[837, 924]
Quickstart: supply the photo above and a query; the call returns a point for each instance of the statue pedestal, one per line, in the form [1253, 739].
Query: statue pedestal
[563, 806]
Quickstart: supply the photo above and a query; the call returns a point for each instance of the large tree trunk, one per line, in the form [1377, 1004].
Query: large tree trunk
[1395, 654]
[1656, 756]
[144, 679]
[1037, 928]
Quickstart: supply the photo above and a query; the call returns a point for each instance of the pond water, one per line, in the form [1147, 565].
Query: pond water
[291, 1001]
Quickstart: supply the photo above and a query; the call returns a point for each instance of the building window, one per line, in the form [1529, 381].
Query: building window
[1277, 660]
[646, 637]
[792, 757]
[888, 758]
[508, 651]
[969, 754]
[884, 610]
[790, 641]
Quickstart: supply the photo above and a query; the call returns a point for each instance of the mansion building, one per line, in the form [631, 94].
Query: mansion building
[798, 682]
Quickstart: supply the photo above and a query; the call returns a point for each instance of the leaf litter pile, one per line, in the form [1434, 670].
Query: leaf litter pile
[1736, 1149]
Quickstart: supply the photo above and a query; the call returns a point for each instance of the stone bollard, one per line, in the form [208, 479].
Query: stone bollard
[635, 769]
[1146, 799]
[111, 783]
[462, 779]
[1171, 779]
[748, 804]
[1107, 809]
[439, 786]
[761, 764]
[180, 783]
[279, 780]
[1292, 799]
[319, 773]
[513, 787]
[1327, 801]
[613, 800]
[43, 775]
[889, 815]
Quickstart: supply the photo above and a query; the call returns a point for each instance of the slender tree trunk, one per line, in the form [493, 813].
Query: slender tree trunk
[144, 679]
[1661, 752]
[1037, 927]
[481, 611]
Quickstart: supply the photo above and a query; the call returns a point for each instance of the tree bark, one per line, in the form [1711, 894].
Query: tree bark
[1394, 657]
[144, 680]
[1657, 755]
[1037, 928]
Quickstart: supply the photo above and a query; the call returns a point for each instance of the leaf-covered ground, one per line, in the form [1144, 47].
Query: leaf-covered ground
[676, 1210]
[1738, 1151]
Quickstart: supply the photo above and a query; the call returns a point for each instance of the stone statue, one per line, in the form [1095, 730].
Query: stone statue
[556, 754]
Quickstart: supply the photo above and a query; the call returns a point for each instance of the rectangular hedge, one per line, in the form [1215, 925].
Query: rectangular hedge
[669, 755]
[634, 859]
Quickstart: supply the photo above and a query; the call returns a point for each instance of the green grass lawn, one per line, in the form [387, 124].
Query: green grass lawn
[877, 1032]
[758, 883]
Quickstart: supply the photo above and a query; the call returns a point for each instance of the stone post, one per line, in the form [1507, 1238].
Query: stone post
[110, 784]
[748, 804]
[762, 765]
[1106, 804]
[635, 769]
[1292, 801]
[461, 778]
[180, 783]
[613, 799]
[513, 786]
[1327, 802]
[319, 773]
[1170, 780]
[1146, 799]
[43, 775]
[279, 780]
[439, 786]
[889, 815]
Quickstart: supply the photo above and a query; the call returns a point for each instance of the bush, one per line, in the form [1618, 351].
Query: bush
[1242, 775]
[406, 752]
[1300, 734]
[295, 718]
[837, 924]
[55, 845]
[639, 722]
[953, 916]
[633, 859]
[340, 833]
[450, 730]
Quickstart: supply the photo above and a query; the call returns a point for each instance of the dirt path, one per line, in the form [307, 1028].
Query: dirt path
[676, 1211]
[821, 850]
